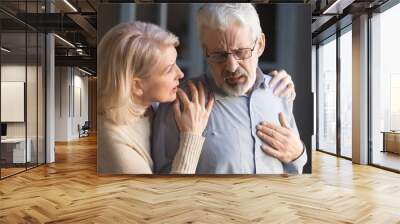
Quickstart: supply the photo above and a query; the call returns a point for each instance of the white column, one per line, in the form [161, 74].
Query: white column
[314, 93]
[50, 99]
[360, 90]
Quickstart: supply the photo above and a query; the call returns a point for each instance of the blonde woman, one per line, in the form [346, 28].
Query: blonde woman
[137, 68]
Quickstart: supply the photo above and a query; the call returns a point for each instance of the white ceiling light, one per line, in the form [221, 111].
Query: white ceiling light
[70, 5]
[65, 41]
[86, 72]
[5, 50]
[337, 7]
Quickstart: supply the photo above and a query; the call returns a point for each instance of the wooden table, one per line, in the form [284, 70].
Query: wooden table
[391, 141]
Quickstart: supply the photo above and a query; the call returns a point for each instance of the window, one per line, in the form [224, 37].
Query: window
[346, 94]
[327, 96]
[385, 87]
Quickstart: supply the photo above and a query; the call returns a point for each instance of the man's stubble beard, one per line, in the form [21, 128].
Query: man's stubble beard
[240, 89]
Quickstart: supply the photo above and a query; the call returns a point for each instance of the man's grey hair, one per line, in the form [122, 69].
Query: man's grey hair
[223, 15]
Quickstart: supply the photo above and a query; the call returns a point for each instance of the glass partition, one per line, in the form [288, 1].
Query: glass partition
[22, 88]
[13, 103]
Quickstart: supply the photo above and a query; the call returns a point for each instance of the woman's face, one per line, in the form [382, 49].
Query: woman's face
[162, 83]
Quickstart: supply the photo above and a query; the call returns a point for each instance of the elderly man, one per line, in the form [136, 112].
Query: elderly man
[250, 130]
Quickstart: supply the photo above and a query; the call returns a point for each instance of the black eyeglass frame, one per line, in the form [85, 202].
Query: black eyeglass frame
[224, 55]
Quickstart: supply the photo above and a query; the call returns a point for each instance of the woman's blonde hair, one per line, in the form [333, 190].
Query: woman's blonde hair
[128, 50]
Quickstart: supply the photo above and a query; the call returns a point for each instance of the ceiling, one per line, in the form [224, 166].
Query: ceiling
[76, 22]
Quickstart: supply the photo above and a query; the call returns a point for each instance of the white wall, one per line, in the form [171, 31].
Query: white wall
[79, 117]
[33, 126]
[13, 73]
[70, 84]
[62, 80]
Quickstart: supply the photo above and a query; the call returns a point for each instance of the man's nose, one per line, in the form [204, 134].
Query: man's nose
[231, 63]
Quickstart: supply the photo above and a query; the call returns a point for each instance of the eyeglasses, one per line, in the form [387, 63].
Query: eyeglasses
[238, 54]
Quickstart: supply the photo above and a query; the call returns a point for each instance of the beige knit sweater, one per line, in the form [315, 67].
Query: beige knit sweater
[125, 149]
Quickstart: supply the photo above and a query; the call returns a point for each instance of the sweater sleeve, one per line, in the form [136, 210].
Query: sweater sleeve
[188, 154]
[116, 156]
[123, 159]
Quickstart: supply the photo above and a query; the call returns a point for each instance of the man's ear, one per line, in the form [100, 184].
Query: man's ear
[137, 86]
[261, 44]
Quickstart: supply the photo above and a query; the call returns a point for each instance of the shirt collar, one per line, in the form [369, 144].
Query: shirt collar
[219, 94]
[261, 82]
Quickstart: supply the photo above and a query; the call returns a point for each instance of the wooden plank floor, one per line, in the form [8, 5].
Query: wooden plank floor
[70, 191]
[10, 171]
